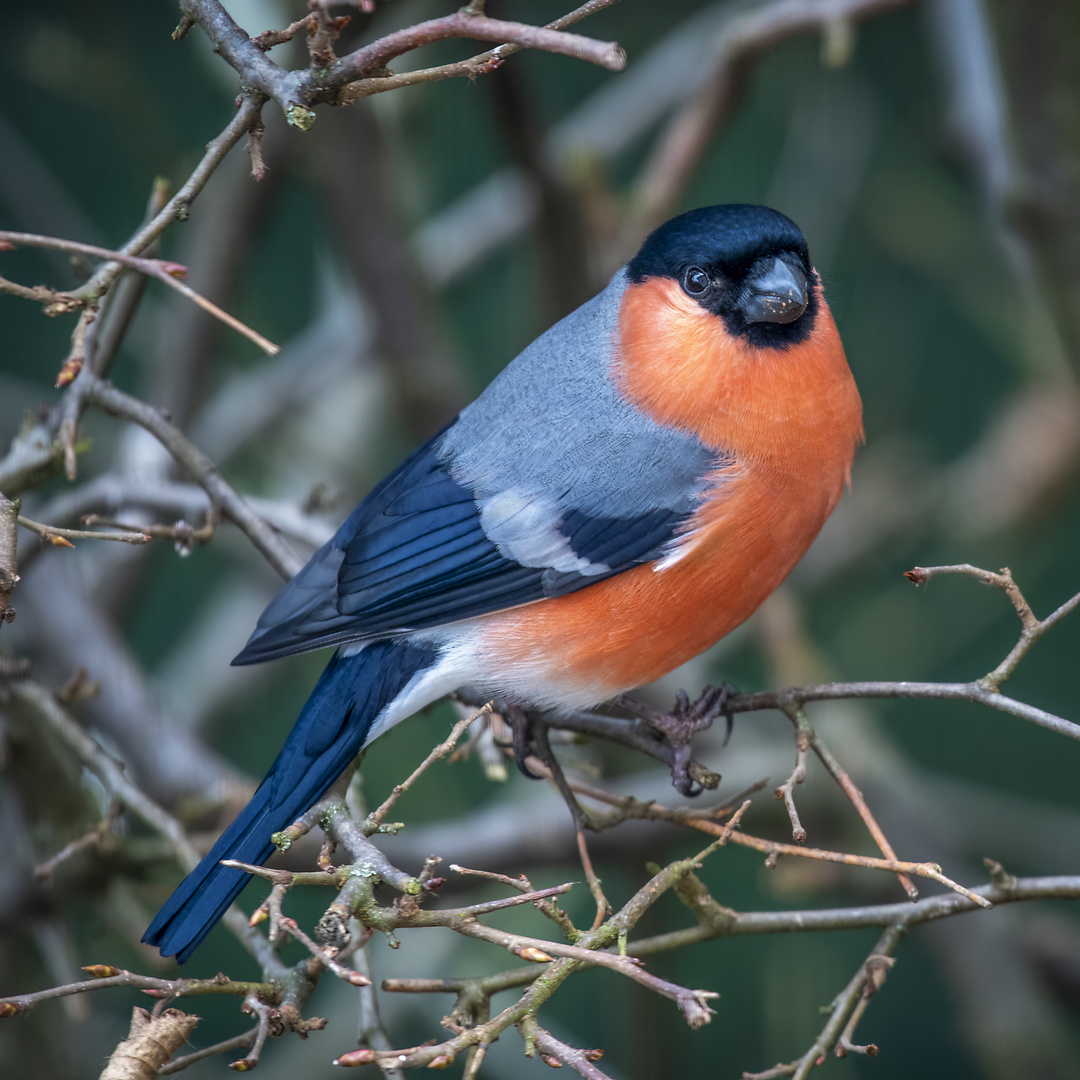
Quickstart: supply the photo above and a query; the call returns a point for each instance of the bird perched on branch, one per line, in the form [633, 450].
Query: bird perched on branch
[626, 492]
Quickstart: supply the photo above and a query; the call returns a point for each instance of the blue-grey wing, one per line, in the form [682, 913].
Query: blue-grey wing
[423, 550]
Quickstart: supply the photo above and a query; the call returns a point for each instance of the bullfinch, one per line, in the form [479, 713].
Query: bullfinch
[626, 492]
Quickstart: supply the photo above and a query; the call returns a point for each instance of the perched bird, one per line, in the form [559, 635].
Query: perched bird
[626, 492]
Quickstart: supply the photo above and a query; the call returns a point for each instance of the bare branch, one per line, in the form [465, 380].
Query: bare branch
[362, 72]
[53, 533]
[371, 58]
[581, 1061]
[839, 774]
[166, 987]
[786, 790]
[168, 272]
[1033, 628]
[94, 838]
[9, 569]
[66, 731]
[202, 469]
[238, 1042]
[972, 691]
[377, 816]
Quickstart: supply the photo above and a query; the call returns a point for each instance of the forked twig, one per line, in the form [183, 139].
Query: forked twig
[377, 816]
[798, 717]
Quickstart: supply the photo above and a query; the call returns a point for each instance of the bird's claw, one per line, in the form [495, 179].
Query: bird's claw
[685, 720]
[520, 732]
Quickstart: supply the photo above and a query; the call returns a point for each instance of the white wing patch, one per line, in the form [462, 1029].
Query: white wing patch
[525, 527]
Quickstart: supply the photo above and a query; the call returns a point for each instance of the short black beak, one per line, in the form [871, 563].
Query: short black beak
[775, 292]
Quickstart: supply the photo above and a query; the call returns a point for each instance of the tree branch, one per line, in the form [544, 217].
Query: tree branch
[9, 568]
[202, 469]
[297, 91]
[162, 270]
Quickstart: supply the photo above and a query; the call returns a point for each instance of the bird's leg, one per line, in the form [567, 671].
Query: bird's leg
[521, 734]
[685, 720]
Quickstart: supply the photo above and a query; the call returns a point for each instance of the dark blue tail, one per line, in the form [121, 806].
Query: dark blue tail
[327, 735]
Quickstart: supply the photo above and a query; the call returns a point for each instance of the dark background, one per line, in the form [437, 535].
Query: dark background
[930, 172]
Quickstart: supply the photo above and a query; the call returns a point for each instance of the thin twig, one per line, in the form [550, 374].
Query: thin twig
[76, 357]
[182, 532]
[926, 691]
[371, 58]
[164, 271]
[845, 1002]
[176, 209]
[202, 469]
[64, 729]
[513, 901]
[237, 1042]
[291, 927]
[897, 866]
[51, 532]
[95, 837]
[839, 774]
[117, 977]
[122, 301]
[264, 1013]
[876, 968]
[377, 816]
[785, 790]
[1033, 628]
[581, 1061]
[553, 770]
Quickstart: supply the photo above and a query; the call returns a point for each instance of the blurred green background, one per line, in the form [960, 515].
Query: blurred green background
[396, 253]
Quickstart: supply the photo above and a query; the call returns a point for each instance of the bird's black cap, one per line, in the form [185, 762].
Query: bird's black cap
[735, 245]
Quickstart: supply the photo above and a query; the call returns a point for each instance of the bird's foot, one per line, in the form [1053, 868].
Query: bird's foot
[521, 737]
[685, 720]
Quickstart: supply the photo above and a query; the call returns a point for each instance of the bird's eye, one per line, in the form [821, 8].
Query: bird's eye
[695, 281]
